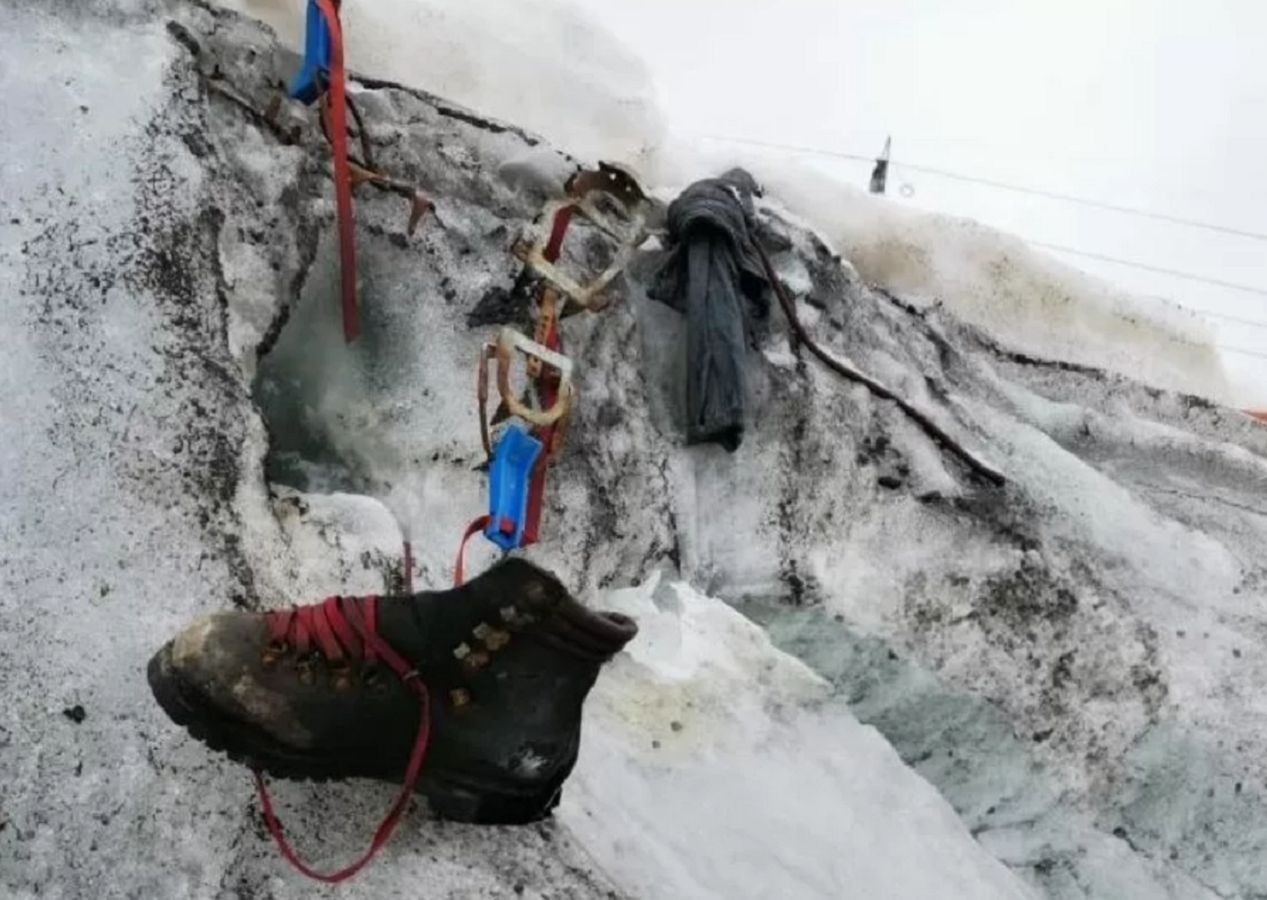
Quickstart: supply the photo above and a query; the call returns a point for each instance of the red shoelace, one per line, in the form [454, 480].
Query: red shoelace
[344, 629]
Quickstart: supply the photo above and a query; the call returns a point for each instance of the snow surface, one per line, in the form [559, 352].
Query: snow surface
[1073, 662]
[715, 766]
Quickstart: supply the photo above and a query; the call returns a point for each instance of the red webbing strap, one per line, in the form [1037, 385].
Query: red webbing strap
[342, 173]
[558, 228]
[383, 833]
[459, 571]
[548, 386]
[537, 485]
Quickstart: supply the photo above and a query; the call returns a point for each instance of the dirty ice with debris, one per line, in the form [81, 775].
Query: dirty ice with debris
[861, 670]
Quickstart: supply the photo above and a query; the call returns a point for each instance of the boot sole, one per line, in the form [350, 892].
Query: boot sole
[451, 795]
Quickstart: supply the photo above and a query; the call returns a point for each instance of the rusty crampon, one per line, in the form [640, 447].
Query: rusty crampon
[611, 200]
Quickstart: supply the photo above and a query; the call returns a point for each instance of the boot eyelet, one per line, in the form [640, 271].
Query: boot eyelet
[272, 652]
[496, 639]
[341, 677]
[514, 618]
[304, 668]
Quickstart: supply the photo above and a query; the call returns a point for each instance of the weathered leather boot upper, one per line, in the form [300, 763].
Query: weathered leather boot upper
[507, 660]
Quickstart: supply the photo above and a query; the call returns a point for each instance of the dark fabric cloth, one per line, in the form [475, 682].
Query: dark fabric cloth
[713, 276]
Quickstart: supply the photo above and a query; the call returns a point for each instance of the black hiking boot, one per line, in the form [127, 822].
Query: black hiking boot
[507, 660]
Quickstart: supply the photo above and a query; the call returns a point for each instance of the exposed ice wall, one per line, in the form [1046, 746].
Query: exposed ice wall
[712, 767]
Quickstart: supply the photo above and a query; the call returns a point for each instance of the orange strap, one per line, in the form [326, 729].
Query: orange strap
[459, 568]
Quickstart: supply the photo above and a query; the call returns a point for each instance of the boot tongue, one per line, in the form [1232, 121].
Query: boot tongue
[427, 628]
[418, 630]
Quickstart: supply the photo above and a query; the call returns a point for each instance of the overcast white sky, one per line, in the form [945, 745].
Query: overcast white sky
[1156, 104]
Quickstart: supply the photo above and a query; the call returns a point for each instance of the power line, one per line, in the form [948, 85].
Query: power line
[776, 146]
[1086, 201]
[1201, 344]
[1242, 351]
[1148, 267]
[1252, 322]
[1257, 323]
[1008, 186]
